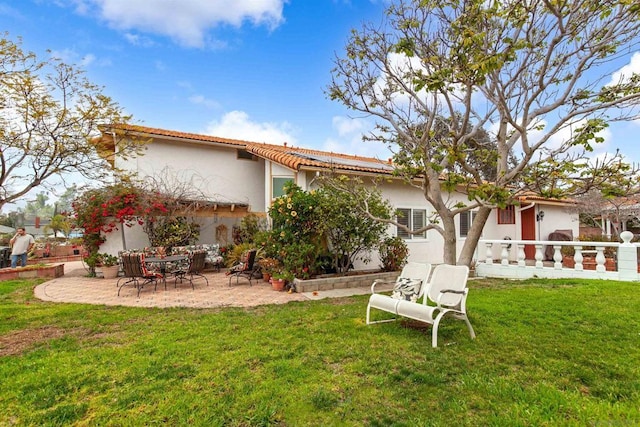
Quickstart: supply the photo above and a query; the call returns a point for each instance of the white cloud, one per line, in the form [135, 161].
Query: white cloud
[349, 141]
[72, 57]
[237, 125]
[138, 40]
[201, 100]
[623, 74]
[347, 126]
[186, 21]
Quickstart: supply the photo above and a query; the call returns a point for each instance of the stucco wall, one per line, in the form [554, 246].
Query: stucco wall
[217, 172]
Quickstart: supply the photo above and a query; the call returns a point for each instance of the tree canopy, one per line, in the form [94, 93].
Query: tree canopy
[536, 74]
[49, 118]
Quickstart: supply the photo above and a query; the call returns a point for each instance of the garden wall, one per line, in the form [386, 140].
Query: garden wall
[352, 280]
[32, 271]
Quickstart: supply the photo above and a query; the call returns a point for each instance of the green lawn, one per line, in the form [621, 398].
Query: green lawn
[547, 353]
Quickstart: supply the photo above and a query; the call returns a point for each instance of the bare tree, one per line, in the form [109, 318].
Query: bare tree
[182, 199]
[595, 207]
[49, 118]
[534, 72]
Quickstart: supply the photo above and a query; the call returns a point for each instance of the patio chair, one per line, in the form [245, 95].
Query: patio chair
[410, 285]
[448, 290]
[247, 267]
[197, 260]
[135, 270]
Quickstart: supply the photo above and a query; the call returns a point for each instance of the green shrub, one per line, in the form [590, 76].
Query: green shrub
[393, 253]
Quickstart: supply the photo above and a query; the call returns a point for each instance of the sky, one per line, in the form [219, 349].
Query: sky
[247, 69]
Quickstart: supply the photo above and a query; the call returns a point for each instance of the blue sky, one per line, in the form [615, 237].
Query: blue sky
[246, 69]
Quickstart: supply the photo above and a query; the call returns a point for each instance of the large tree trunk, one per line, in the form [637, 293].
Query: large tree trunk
[471, 242]
[450, 240]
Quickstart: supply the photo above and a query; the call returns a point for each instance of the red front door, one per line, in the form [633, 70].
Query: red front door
[528, 228]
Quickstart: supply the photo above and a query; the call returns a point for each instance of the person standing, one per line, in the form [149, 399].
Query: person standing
[21, 244]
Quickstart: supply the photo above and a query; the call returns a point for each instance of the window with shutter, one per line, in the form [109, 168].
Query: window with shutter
[466, 219]
[414, 219]
[507, 215]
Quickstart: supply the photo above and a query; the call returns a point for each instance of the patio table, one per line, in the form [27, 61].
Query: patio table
[162, 262]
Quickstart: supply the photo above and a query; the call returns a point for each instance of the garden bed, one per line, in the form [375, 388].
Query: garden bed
[32, 271]
[351, 280]
[54, 259]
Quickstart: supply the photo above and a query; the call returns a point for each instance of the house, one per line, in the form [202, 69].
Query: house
[238, 177]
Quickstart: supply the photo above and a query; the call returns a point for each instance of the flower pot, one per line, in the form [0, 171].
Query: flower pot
[266, 277]
[110, 272]
[277, 284]
[568, 261]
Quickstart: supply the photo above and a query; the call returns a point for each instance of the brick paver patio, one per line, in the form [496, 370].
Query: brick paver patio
[74, 287]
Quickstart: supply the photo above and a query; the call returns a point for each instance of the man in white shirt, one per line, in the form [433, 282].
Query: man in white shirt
[21, 244]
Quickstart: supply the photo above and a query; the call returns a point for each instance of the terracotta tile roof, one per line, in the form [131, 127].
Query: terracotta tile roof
[150, 132]
[291, 157]
[532, 197]
[297, 158]
[303, 158]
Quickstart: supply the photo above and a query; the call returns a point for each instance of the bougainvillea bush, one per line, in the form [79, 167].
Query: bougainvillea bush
[103, 210]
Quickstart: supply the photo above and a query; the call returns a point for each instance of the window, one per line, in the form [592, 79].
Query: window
[414, 219]
[507, 215]
[277, 186]
[466, 219]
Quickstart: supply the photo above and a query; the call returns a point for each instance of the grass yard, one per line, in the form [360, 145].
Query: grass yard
[548, 352]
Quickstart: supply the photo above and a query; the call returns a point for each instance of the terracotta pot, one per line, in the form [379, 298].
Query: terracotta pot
[266, 277]
[277, 284]
[568, 261]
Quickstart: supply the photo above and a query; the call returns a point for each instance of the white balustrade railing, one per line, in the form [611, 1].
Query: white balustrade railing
[512, 262]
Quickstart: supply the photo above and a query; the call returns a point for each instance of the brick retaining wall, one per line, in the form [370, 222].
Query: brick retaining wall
[341, 282]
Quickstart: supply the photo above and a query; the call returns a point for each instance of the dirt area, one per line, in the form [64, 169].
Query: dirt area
[17, 342]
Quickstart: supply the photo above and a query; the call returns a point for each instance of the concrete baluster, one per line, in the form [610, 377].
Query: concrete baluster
[557, 257]
[521, 256]
[489, 256]
[539, 256]
[578, 258]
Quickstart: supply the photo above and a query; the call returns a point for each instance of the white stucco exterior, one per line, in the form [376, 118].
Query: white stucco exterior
[217, 172]
[222, 172]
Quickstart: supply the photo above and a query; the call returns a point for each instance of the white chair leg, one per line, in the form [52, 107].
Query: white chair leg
[434, 333]
[471, 331]
[368, 310]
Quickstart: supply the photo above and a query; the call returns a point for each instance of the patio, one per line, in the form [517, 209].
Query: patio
[75, 287]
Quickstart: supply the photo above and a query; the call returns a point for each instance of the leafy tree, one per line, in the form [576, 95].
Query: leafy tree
[39, 206]
[59, 224]
[10, 219]
[435, 73]
[351, 236]
[296, 235]
[65, 201]
[307, 224]
[49, 118]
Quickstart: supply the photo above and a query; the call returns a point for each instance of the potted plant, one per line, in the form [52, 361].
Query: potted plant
[280, 278]
[109, 265]
[268, 265]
